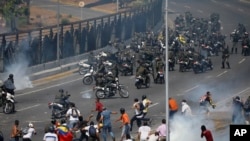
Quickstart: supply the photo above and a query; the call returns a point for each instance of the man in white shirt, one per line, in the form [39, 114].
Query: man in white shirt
[73, 115]
[31, 131]
[51, 135]
[185, 109]
[144, 132]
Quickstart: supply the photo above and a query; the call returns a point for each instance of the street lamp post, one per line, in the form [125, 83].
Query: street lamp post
[81, 5]
[58, 30]
[166, 49]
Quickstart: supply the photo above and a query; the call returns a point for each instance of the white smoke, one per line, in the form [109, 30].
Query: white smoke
[19, 68]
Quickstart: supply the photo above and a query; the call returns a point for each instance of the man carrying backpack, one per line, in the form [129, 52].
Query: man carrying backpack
[138, 107]
[92, 132]
[73, 115]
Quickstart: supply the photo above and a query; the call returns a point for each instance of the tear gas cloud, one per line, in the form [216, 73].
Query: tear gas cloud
[19, 68]
[188, 129]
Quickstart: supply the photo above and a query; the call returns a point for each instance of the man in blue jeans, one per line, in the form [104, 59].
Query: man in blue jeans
[107, 127]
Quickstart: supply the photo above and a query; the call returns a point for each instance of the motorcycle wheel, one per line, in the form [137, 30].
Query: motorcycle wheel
[100, 94]
[148, 83]
[83, 70]
[138, 85]
[56, 114]
[87, 80]
[8, 108]
[123, 92]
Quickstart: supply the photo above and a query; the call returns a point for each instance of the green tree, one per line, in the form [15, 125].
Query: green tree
[11, 10]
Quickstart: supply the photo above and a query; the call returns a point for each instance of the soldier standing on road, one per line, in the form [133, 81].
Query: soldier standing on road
[225, 57]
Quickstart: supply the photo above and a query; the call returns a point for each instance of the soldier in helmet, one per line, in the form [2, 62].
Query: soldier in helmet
[9, 85]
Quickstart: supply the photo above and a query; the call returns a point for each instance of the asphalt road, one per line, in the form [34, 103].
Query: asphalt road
[224, 84]
[87, 13]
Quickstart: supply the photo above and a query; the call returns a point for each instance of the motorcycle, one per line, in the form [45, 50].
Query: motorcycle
[89, 77]
[185, 65]
[7, 102]
[111, 90]
[160, 77]
[140, 81]
[245, 50]
[199, 66]
[171, 64]
[59, 110]
[83, 67]
[126, 68]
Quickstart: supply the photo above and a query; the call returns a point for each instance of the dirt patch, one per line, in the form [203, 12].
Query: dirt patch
[41, 17]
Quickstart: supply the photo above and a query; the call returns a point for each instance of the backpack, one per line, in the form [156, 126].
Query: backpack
[74, 113]
[25, 131]
[142, 107]
[92, 131]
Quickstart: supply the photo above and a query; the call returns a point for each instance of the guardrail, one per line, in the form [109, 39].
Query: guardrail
[37, 47]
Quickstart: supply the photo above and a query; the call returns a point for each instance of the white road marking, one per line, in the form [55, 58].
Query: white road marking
[132, 77]
[192, 88]
[227, 5]
[187, 6]
[200, 11]
[241, 61]
[29, 107]
[241, 10]
[82, 92]
[230, 97]
[221, 73]
[52, 86]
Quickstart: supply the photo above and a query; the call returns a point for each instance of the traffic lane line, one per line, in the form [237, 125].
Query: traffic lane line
[241, 61]
[53, 77]
[230, 97]
[29, 107]
[221, 73]
[45, 88]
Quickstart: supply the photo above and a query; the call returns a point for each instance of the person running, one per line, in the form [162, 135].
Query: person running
[51, 135]
[98, 108]
[185, 109]
[125, 124]
[72, 114]
[162, 130]
[15, 131]
[206, 133]
[173, 107]
[144, 132]
[107, 127]
[31, 131]
[206, 101]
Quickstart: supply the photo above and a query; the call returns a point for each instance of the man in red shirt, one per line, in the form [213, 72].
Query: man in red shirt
[207, 133]
[98, 108]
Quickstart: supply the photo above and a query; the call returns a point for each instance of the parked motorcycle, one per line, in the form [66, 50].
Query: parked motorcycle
[111, 90]
[7, 102]
[59, 110]
[141, 81]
